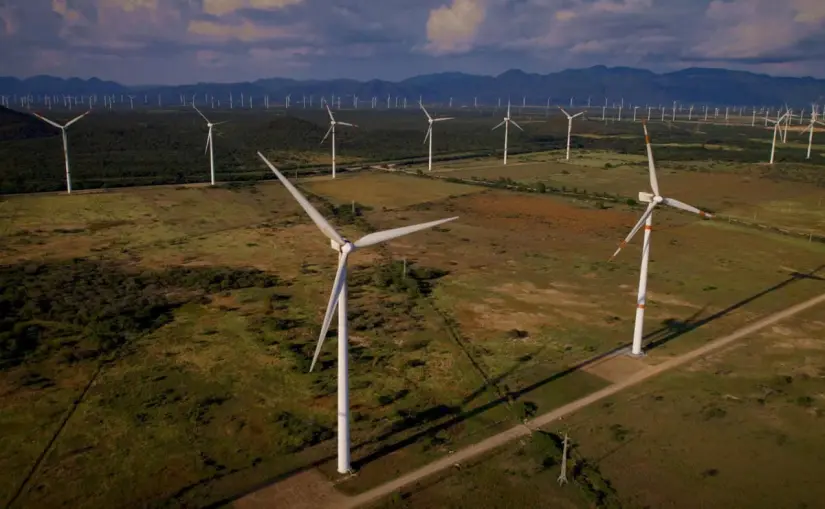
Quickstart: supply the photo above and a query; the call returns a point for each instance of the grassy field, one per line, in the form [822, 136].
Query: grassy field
[212, 396]
[739, 191]
[742, 425]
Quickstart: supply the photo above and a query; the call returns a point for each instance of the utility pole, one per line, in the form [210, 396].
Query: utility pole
[563, 475]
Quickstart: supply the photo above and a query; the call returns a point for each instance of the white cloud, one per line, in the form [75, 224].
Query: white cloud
[221, 7]
[750, 29]
[245, 31]
[453, 29]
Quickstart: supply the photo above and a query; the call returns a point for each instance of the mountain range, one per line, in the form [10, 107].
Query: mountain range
[636, 86]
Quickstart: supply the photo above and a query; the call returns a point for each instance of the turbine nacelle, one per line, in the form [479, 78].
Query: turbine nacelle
[345, 248]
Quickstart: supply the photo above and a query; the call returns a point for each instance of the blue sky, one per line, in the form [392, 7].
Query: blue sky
[181, 41]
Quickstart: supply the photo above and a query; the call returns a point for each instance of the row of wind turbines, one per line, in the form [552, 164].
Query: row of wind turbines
[345, 248]
[780, 125]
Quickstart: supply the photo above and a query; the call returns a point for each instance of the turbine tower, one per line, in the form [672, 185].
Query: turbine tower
[332, 124]
[429, 134]
[209, 144]
[777, 125]
[810, 128]
[65, 143]
[653, 200]
[339, 297]
[506, 123]
[569, 128]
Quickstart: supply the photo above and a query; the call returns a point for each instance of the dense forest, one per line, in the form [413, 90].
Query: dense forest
[147, 147]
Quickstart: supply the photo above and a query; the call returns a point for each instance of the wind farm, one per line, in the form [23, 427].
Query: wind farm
[180, 325]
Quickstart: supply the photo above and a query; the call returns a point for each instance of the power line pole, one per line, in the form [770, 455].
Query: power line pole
[563, 475]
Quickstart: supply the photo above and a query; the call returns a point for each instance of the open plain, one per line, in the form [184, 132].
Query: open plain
[157, 339]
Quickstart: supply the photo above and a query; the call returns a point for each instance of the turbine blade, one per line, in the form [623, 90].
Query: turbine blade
[425, 110]
[565, 113]
[442, 119]
[347, 124]
[426, 136]
[316, 216]
[72, 121]
[383, 236]
[333, 303]
[515, 124]
[684, 206]
[636, 228]
[44, 119]
[199, 113]
[499, 125]
[578, 114]
[325, 136]
[654, 182]
[330, 112]
[219, 123]
[208, 141]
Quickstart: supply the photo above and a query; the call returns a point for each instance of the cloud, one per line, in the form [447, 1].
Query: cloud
[245, 31]
[70, 15]
[453, 29]
[222, 40]
[222, 7]
[752, 29]
[8, 21]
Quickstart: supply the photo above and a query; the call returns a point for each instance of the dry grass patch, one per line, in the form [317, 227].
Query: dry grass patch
[387, 190]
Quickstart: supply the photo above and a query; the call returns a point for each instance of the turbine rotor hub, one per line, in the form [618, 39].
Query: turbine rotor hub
[658, 199]
[347, 247]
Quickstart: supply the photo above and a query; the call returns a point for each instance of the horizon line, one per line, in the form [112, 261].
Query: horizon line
[151, 85]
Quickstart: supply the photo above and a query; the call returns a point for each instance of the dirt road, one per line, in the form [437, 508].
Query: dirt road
[502, 438]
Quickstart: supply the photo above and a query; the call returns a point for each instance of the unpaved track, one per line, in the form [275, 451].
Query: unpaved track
[496, 441]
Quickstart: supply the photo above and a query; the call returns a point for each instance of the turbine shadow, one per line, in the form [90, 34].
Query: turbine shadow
[674, 328]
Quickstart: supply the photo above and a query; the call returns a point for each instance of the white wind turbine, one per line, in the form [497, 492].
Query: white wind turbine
[777, 125]
[506, 123]
[65, 143]
[339, 297]
[429, 134]
[653, 200]
[810, 128]
[332, 124]
[209, 143]
[570, 128]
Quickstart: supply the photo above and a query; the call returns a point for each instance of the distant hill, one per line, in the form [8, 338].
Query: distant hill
[637, 86]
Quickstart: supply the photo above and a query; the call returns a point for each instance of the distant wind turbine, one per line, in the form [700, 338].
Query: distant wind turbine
[810, 128]
[506, 123]
[209, 144]
[65, 143]
[777, 125]
[429, 134]
[332, 124]
[570, 128]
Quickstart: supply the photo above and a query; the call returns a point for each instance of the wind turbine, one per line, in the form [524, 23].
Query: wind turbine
[429, 134]
[339, 297]
[810, 128]
[653, 200]
[777, 125]
[209, 144]
[65, 143]
[332, 123]
[506, 123]
[569, 128]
